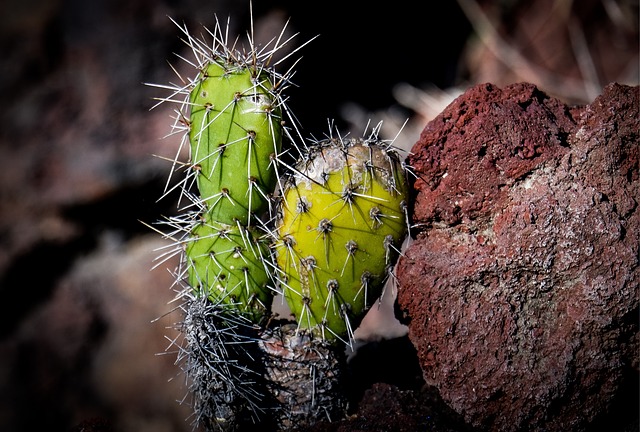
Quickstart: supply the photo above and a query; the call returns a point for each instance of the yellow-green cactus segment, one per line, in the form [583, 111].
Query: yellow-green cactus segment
[235, 133]
[225, 264]
[342, 221]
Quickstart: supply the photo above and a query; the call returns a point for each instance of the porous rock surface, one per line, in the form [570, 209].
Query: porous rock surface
[521, 288]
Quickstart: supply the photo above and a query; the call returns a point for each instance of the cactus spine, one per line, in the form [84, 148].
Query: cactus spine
[343, 219]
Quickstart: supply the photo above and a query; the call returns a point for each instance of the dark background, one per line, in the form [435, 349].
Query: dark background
[78, 330]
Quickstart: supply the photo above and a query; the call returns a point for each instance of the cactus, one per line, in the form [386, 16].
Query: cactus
[342, 222]
[341, 217]
[235, 134]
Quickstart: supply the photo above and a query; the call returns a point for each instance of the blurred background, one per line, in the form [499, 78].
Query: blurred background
[86, 323]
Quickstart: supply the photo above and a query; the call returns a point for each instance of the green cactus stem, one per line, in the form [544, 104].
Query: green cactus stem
[235, 133]
[232, 117]
[226, 263]
[343, 219]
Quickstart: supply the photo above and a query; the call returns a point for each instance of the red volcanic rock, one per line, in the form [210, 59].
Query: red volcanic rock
[521, 290]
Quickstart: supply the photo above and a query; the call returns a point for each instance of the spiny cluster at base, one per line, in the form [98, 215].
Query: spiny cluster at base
[306, 377]
[222, 362]
[242, 377]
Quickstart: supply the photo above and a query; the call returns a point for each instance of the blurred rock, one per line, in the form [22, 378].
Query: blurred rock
[521, 289]
[93, 353]
[570, 50]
